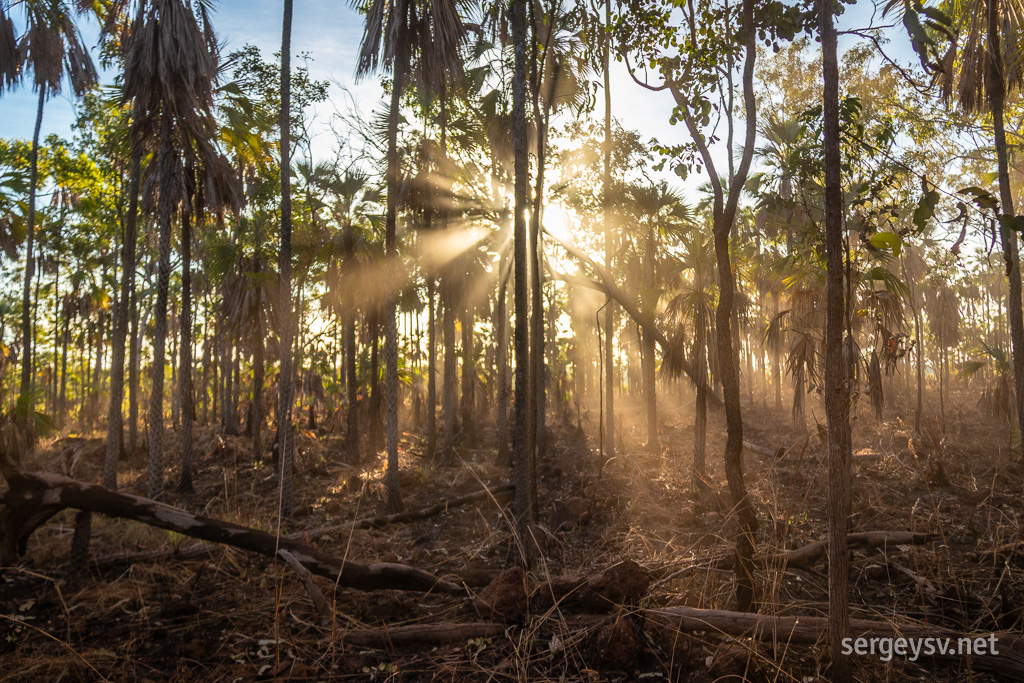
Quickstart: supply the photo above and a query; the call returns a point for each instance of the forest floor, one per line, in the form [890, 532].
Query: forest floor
[154, 605]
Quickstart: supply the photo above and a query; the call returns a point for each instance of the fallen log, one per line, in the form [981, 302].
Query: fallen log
[812, 553]
[38, 496]
[413, 515]
[1008, 660]
[943, 648]
[316, 596]
[424, 634]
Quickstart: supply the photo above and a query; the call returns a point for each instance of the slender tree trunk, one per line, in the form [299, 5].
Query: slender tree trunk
[647, 351]
[609, 310]
[156, 397]
[1011, 253]
[375, 428]
[25, 391]
[836, 386]
[501, 362]
[56, 334]
[133, 369]
[185, 392]
[115, 417]
[468, 375]
[431, 369]
[62, 401]
[700, 423]
[286, 382]
[728, 361]
[390, 309]
[349, 334]
[35, 309]
[777, 359]
[537, 388]
[449, 380]
[175, 397]
[523, 440]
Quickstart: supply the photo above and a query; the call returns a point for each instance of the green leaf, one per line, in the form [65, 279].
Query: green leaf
[887, 240]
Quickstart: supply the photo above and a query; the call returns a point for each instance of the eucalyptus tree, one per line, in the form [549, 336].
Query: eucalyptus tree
[980, 68]
[837, 388]
[698, 70]
[52, 48]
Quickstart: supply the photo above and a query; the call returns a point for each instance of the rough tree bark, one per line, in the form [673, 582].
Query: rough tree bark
[1011, 252]
[286, 316]
[836, 388]
[115, 417]
[156, 397]
[523, 441]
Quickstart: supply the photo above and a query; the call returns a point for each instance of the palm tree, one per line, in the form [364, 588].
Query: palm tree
[52, 48]
[980, 71]
[354, 200]
[395, 31]
[170, 66]
[658, 209]
[694, 301]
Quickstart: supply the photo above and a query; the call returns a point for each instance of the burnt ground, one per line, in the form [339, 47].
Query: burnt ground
[151, 605]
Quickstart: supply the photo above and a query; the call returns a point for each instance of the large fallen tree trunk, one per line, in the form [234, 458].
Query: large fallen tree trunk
[413, 515]
[35, 497]
[942, 646]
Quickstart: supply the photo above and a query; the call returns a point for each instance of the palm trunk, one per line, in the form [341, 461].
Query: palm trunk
[1011, 253]
[647, 360]
[836, 381]
[185, 393]
[390, 309]
[133, 370]
[115, 418]
[777, 359]
[609, 310]
[286, 382]
[501, 363]
[156, 397]
[700, 424]
[449, 380]
[62, 401]
[375, 429]
[25, 391]
[468, 376]
[431, 369]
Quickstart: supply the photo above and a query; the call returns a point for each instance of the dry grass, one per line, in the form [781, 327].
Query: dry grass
[226, 615]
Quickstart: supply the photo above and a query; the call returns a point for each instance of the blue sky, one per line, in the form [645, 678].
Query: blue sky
[330, 30]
